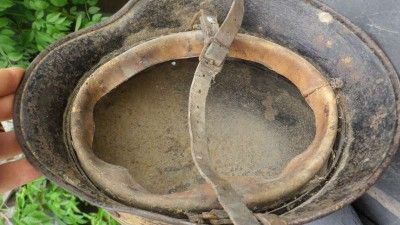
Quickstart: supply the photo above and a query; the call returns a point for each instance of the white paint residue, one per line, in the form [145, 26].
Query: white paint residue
[325, 17]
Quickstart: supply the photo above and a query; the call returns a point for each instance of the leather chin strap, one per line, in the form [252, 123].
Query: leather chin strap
[217, 43]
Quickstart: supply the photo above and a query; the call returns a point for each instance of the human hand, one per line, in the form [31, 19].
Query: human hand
[17, 173]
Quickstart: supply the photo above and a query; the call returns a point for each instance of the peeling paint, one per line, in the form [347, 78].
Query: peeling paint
[325, 17]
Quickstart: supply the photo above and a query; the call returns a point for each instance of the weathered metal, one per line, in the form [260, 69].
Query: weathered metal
[348, 62]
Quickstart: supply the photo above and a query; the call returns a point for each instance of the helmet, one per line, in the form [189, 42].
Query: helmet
[300, 120]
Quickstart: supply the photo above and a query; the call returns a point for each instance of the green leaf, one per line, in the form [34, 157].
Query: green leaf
[4, 22]
[38, 24]
[39, 14]
[97, 17]
[15, 56]
[59, 3]
[5, 4]
[78, 22]
[89, 24]
[93, 9]
[64, 26]
[92, 2]
[7, 32]
[61, 20]
[53, 17]
[30, 208]
[38, 4]
[59, 35]
[43, 40]
[6, 40]
[43, 37]
[28, 37]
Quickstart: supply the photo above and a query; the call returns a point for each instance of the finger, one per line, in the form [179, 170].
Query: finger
[9, 80]
[9, 146]
[6, 107]
[15, 174]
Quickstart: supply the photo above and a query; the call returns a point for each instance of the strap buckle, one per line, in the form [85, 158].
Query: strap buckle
[215, 53]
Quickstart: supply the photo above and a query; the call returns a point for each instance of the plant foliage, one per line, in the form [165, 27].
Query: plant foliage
[29, 26]
[26, 28]
[42, 202]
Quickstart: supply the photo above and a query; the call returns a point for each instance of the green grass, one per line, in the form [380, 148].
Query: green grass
[26, 28]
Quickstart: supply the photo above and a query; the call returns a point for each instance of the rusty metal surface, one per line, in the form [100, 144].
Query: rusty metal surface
[366, 81]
